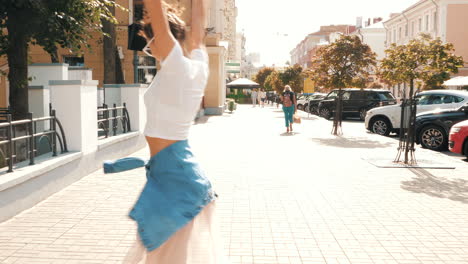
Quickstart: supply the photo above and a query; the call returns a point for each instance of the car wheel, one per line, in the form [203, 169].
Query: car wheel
[299, 107]
[380, 126]
[306, 108]
[362, 114]
[313, 110]
[325, 113]
[433, 138]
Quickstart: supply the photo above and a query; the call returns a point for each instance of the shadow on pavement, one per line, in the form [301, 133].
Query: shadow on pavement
[351, 143]
[205, 119]
[290, 134]
[440, 187]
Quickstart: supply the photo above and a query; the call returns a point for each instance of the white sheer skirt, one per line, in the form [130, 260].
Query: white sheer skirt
[199, 242]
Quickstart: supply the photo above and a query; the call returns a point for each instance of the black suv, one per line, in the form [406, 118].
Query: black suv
[433, 128]
[356, 102]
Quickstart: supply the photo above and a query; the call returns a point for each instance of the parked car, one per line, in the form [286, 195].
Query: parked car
[313, 97]
[458, 138]
[314, 102]
[301, 100]
[432, 128]
[387, 119]
[356, 102]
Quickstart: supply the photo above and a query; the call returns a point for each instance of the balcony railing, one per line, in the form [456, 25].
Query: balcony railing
[29, 135]
[109, 118]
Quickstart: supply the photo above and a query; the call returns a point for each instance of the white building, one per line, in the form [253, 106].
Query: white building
[446, 19]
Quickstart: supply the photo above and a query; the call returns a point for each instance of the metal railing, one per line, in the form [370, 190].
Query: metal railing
[108, 120]
[10, 139]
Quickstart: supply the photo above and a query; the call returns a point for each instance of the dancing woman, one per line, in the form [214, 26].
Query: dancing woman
[174, 211]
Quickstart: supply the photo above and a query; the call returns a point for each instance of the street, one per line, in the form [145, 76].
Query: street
[306, 197]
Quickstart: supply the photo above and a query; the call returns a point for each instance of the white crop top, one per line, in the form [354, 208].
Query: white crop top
[174, 97]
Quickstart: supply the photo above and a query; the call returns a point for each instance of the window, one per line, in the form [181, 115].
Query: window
[346, 95]
[138, 10]
[74, 61]
[394, 35]
[435, 21]
[448, 99]
[406, 30]
[332, 95]
[386, 96]
[399, 33]
[420, 25]
[412, 28]
[146, 69]
[373, 96]
[458, 99]
[430, 99]
[427, 22]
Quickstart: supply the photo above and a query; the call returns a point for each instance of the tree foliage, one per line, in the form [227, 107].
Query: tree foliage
[294, 77]
[344, 63]
[50, 24]
[262, 75]
[274, 82]
[429, 60]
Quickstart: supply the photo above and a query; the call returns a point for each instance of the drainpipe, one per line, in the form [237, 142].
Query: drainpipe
[437, 16]
[407, 24]
[362, 36]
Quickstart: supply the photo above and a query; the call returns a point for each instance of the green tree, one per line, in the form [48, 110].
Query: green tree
[262, 75]
[423, 59]
[294, 77]
[50, 24]
[274, 82]
[344, 63]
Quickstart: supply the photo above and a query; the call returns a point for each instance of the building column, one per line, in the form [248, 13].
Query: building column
[76, 108]
[215, 93]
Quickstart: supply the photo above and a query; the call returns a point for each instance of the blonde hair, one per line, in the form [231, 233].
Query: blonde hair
[287, 88]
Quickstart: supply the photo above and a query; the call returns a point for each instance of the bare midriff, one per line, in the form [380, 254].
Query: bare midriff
[158, 144]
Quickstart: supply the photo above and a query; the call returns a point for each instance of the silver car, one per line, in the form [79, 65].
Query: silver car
[386, 119]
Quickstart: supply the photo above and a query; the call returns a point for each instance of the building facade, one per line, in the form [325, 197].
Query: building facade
[303, 53]
[446, 19]
[136, 67]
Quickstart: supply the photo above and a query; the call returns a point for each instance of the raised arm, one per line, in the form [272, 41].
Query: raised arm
[199, 8]
[163, 42]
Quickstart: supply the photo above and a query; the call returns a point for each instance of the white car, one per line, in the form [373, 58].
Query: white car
[386, 119]
[302, 100]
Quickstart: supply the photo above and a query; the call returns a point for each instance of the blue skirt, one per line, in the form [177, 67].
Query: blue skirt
[176, 191]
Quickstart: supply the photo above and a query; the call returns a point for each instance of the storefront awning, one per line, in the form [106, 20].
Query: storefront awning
[457, 81]
[243, 83]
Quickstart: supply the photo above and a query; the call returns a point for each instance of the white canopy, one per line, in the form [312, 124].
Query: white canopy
[457, 81]
[243, 83]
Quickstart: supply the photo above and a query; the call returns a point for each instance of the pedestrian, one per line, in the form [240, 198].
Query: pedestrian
[174, 212]
[254, 97]
[289, 107]
[262, 97]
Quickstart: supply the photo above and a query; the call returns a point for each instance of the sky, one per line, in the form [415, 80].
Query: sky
[274, 27]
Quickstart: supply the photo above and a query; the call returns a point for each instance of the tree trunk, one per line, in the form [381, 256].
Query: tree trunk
[109, 50]
[409, 150]
[337, 120]
[17, 54]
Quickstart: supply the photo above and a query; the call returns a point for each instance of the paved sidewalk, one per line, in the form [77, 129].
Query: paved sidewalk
[308, 198]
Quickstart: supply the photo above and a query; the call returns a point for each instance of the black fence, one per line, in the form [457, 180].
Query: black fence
[109, 118]
[24, 132]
